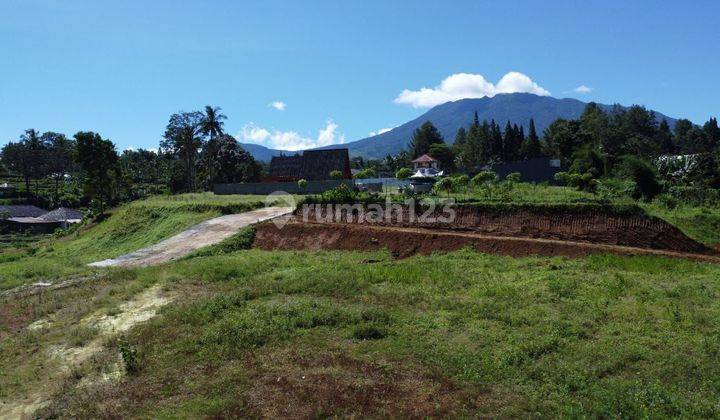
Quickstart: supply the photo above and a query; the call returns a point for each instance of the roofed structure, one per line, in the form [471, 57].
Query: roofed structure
[312, 165]
[425, 161]
[22, 210]
[62, 214]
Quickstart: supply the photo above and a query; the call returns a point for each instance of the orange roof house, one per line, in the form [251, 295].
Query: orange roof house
[425, 161]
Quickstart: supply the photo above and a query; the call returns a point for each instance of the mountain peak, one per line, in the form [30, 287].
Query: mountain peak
[518, 108]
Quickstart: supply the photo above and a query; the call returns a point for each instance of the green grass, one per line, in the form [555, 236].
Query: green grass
[131, 227]
[262, 333]
[701, 223]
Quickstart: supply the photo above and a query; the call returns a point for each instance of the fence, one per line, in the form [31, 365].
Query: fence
[264, 188]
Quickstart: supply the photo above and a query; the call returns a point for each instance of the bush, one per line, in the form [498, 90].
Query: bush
[583, 182]
[444, 184]
[366, 173]
[403, 173]
[483, 178]
[129, 356]
[513, 177]
[644, 176]
[336, 174]
[302, 184]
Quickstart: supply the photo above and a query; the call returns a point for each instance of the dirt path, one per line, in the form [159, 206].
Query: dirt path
[206, 233]
[403, 242]
[139, 309]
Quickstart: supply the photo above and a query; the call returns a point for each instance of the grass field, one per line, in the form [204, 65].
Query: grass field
[330, 333]
[317, 334]
[129, 228]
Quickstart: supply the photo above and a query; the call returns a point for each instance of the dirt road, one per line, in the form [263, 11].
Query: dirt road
[206, 233]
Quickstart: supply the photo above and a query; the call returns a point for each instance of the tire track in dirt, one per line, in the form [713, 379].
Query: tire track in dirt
[140, 308]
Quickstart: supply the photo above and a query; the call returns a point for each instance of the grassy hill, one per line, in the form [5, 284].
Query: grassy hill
[130, 227]
[245, 332]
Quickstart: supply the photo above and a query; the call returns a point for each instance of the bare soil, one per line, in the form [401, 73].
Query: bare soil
[633, 230]
[405, 241]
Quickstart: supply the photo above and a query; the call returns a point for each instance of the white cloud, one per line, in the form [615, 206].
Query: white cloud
[380, 131]
[467, 85]
[279, 105]
[291, 140]
[583, 89]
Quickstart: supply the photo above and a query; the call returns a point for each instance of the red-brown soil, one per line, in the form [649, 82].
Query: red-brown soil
[633, 230]
[405, 241]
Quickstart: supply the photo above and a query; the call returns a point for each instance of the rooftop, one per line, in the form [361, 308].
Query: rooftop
[424, 158]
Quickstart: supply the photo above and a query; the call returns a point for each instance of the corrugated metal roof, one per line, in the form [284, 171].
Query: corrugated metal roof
[62, 214]
[22, 210]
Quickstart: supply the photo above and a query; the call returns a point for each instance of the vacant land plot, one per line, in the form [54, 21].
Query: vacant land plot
[345, 333]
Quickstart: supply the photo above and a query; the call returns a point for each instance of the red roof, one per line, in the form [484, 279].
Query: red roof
[424, 158]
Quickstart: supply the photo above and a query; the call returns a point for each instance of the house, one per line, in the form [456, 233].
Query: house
[426, 161]
[542, 169]
[32, 219]
[63, 215]
[10, 211]
[311, 165]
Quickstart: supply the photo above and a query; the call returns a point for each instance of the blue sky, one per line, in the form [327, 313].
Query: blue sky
[339, 67]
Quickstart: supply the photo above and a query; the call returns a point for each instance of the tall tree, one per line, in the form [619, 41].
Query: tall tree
[223, 160]
[212, 122]
[100, 163]
[531, 145]
[445, 155]
[423, 137]
[495, 142]
[27, 157]
[59, 161]
[183, 139]
[664, 138]
[712, 134]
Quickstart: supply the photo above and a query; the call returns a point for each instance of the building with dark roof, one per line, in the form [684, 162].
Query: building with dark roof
[312, 165]
[33, 219]
[63, 214]
[21, 211]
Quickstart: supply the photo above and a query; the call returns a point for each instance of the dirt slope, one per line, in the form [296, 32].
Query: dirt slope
[403, 242]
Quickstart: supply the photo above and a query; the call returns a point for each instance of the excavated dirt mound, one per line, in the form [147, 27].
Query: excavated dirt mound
[589, 225]
[403, 242]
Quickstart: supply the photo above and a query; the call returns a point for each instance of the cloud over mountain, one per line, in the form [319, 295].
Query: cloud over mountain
[468, 85]
[291, 140]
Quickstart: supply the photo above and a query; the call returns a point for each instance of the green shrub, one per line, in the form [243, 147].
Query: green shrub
[484, 177]
[403, 173]
[129, 356]
[513, 177]
[644, 175]
[336, 174]
[302, 184]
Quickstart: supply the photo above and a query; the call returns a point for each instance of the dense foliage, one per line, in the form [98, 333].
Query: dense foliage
[53, 170]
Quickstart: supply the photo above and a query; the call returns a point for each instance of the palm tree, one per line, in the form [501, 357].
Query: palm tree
[211, 123]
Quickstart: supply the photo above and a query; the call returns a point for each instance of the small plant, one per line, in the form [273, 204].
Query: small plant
[302, 184]
[336, 174]
[513, 177]
[130, 357]
[369, 332]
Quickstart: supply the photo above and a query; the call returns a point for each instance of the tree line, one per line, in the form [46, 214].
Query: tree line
[195, 153]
